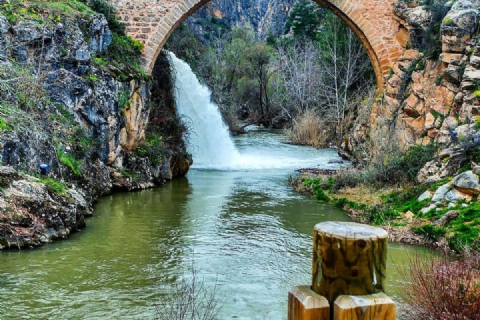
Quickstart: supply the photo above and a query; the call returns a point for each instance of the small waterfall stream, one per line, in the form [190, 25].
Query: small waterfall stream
[209, 141]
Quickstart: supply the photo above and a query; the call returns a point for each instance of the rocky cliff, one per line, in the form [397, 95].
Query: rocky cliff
[432, 91]
[264, 16]
[74, 122]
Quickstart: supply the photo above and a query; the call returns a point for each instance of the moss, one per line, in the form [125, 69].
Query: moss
[447, 21]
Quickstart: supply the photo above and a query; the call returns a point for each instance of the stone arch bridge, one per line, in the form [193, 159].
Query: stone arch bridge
[383, 34]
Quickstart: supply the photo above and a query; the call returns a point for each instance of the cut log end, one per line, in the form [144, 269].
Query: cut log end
[348, 258]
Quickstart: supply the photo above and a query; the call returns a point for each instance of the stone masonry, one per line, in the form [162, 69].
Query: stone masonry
[383, 34]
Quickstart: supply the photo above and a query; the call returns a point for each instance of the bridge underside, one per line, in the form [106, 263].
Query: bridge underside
[373, 22]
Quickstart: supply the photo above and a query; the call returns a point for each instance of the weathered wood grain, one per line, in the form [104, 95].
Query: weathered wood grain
[376, 306]
[348, 259]
[304, 304]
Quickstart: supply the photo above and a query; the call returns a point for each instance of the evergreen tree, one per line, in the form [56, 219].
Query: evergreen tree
[304, 19]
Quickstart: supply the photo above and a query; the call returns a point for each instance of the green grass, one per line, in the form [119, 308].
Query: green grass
[68, 160]
[128, 174]
[56, 186]
[430, 232]
[4, 126]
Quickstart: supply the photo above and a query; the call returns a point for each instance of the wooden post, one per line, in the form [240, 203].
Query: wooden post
[376, 306]
[348, 275]
[348, 259]
[304, 304]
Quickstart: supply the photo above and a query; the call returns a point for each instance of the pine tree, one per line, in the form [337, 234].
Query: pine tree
[304, 19]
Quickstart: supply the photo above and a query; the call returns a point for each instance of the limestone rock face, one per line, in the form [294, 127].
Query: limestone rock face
[85, 122]
[425, 99]
[41, 213]
[458, 26]
[264, 16]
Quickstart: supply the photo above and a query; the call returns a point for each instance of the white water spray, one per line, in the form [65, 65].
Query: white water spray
[209, 140]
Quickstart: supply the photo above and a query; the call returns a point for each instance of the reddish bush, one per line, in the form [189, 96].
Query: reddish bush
[443, 288]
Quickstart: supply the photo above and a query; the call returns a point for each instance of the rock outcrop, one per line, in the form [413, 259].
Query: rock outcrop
[265, 17]
[67, 105]
[427, 98]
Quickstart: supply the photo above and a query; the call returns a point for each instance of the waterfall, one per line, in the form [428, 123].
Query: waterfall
[209, 140]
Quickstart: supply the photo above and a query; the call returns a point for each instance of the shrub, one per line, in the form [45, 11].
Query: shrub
[309, 129]
[125, 49]
[190, 299]
[68, 160]
[438, 287]
[430, 232]
[153, 148]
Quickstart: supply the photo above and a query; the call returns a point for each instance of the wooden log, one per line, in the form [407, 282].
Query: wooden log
[304, 304]
[376, 306]
[348, 259]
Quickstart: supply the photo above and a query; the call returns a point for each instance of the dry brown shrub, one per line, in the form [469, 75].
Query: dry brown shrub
[309, 129]
[442, 288]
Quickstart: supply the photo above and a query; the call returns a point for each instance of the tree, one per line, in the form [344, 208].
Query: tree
[304, 20]
[300, 75]
[346, 66]
[259, 57]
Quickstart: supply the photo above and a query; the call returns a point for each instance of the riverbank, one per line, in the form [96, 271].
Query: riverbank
[436, 215]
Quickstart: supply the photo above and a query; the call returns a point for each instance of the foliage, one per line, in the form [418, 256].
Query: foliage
[125, 49]
[444, 288]
[430, 232]
[304, 20]
[54, 185]
[69, 160]
[153, 148]
[4, 126]
[316, 188]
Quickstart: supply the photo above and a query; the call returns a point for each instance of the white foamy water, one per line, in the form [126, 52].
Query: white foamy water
[209, 140]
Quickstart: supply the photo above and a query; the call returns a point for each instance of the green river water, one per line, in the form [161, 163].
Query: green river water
[245, 230]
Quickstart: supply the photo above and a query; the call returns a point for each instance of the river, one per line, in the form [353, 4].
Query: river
[245, 230]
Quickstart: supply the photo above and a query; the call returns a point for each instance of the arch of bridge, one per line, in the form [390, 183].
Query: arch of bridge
[382, 33]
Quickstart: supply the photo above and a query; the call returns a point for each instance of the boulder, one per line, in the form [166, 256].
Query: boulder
[427, 209]
[7, 175]
[441, 192]
[458, 26]
[476, 170]
[454, 196]
[425, 196]
[467, 183]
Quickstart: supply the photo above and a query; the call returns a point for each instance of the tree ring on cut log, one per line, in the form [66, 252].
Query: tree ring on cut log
[348, 259]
